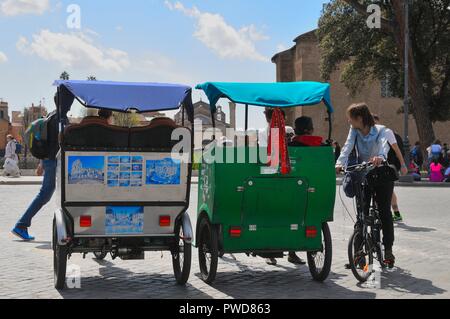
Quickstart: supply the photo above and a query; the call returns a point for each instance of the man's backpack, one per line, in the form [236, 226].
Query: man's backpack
[392, 157]
[36, 137]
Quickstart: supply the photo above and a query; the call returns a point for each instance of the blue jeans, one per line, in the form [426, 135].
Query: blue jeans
[44, 196]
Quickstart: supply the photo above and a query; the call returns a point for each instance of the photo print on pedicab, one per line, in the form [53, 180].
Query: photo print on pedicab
[86, 170]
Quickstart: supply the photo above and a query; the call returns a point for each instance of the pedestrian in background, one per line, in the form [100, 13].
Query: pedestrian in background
[395, 157]
[11, 165]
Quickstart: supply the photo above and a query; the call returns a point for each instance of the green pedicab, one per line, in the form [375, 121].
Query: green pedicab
[248, 207]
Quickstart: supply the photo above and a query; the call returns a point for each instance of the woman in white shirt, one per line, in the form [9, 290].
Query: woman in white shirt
[372, 145]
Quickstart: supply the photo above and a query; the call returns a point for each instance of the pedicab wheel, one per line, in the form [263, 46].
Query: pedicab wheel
[100, 255]
[360, 256]
[59, 260]
[208, 251]
[181, 257]
[319, 262]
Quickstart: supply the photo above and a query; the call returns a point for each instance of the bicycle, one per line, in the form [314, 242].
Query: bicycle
[365, 244]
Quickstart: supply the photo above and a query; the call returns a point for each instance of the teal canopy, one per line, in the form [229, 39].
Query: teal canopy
[282, 95]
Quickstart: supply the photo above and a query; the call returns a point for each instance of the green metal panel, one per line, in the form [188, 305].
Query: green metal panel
[273, 203]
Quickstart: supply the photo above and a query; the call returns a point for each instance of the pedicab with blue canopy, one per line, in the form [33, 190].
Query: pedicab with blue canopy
[249, 206]
[119, 189]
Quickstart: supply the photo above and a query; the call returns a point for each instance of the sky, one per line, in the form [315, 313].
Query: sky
[186, 42]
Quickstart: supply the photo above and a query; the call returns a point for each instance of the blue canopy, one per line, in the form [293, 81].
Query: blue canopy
[122, 97]
[282, 95]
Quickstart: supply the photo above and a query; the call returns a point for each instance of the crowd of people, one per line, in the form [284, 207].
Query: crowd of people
[437, 162]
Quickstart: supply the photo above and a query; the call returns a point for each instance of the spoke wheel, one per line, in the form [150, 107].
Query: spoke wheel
[181, 257]
[59, 260]
[360, 256]
[208, 251]
[319, 262]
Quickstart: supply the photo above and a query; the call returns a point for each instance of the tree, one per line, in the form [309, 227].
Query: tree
[64, 76]
[379, 53]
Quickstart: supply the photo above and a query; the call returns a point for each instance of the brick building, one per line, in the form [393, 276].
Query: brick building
[301, 63]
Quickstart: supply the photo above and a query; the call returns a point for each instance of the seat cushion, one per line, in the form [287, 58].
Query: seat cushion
[152, 137]
[95, 134]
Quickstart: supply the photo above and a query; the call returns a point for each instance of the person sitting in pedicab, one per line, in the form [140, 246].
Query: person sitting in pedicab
[102, 116]
[304, 130]
[263, 138]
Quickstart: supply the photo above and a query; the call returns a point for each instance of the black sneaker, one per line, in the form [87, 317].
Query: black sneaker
[294, 259]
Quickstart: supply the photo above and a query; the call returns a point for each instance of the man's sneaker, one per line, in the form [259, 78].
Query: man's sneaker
[22, 233]
[397, 217]
[294, 259]
[271, 261]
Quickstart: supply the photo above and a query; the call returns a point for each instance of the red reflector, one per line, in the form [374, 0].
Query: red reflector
[164, 221]
[85, 221]
[235, 231]
[311, 232]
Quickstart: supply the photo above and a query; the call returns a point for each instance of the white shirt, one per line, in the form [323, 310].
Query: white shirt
[390, 136]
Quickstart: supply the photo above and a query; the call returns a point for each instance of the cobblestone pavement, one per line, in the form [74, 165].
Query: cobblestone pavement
[422, 248]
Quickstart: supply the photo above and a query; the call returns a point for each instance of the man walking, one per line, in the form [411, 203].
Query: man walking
[47, 167]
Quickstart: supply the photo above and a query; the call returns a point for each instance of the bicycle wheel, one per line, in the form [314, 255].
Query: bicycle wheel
[378, 248]
[360, 256]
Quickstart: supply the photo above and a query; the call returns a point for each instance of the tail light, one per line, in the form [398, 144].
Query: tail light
[85, 221]
[164, 221]
[311, 232]
[235, 232]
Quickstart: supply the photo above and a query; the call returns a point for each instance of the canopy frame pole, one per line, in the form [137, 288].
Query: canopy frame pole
[58, 109]
[183, 109]
[330, 126]
[213, 118]
[246, 126]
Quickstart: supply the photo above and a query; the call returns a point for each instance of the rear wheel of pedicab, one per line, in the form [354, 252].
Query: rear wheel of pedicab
[319, 262]
[360, 256]
[181, 257]
[208, 251]
[59, 260]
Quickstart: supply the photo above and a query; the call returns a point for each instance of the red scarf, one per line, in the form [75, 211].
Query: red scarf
[280, 145]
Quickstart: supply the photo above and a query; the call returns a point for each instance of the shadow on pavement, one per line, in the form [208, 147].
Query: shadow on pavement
[415, 229]
[280, 283]
[118, 283]
[401, 280]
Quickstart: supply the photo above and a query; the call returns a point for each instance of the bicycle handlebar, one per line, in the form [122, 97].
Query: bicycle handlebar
[361, 167]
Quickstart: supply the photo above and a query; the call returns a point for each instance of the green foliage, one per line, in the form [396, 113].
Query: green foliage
[64, 76]
[373, 54]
